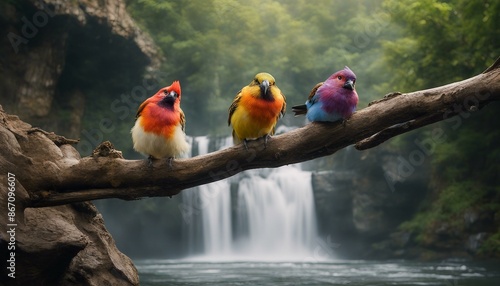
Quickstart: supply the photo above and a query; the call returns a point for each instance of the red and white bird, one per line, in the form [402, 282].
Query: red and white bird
[160, 123]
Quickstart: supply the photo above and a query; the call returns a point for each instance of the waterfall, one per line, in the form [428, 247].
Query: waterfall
[268, 213]
[276, 213]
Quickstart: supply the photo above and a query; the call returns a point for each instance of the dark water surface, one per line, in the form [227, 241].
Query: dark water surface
[340, 272]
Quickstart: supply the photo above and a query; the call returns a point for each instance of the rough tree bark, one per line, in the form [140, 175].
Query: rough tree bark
[71, 179]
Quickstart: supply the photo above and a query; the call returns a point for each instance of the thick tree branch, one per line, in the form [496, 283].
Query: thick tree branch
[102, 177]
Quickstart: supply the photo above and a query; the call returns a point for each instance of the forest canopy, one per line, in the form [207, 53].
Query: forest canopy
[216, 47]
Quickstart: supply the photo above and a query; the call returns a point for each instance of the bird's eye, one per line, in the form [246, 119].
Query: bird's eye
[339, 77]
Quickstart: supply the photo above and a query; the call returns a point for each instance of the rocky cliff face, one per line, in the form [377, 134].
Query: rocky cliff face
[362, 200]
[366, 202]
[54, 53]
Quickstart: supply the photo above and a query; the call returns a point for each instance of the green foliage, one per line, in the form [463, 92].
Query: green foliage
[491, 247]
[446, 41]
[465, 170]
[215, 47]
[449, 41]
[449, 208]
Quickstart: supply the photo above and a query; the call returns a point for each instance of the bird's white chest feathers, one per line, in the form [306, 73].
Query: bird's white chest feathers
[158, 146]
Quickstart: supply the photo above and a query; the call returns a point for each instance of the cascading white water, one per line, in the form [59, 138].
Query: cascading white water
[271, 214]
[210, 203]
[277, 214]
[216, 217]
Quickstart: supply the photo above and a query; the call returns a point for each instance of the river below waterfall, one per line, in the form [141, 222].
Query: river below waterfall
[338, 272]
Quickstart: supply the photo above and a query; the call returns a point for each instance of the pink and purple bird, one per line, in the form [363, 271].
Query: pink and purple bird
[331, 100]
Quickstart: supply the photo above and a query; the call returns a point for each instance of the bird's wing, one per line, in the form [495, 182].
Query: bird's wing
[233, 106]
[183, 121]
[281, 114]
[283, 107]
[311, 97]
[141, 107]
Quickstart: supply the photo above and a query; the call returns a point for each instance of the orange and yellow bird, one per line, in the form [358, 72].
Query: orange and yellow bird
[159, 126]
[256, 109]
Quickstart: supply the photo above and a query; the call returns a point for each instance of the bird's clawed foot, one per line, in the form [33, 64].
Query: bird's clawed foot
[344, 121]
[245, 144]
[170, 160]
[266, 138]
[150, 161]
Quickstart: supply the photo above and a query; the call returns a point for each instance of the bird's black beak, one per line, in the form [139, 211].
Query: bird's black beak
[172, 95]
[349, 84]
[264, 86]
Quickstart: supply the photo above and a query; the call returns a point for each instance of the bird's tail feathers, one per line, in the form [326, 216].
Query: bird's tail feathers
[299, 110]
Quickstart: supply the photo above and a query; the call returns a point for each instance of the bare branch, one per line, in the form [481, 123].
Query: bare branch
[388, 133]
[495, 65]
